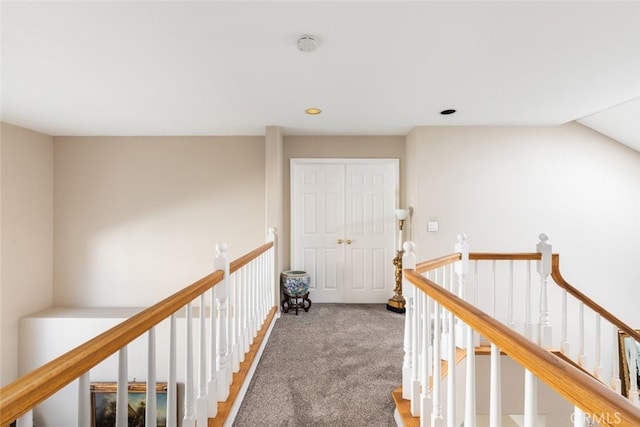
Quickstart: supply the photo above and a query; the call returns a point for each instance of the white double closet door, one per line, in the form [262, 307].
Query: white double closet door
[343, 228]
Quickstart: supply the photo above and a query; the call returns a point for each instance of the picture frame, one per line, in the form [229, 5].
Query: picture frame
[103, 403]
[624, 352]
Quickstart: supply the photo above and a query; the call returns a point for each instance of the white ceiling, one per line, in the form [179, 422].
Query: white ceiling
[382, 67]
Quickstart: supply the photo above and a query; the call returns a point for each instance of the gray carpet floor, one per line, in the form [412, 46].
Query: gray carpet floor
[335, 365]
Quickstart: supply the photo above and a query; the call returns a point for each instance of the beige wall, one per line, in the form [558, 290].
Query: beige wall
[502, 186]
[137, 218]
[390, 147]
[26, 234]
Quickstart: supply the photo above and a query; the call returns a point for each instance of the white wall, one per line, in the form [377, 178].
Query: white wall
[137, 218]
[502, 186]
[26, 235]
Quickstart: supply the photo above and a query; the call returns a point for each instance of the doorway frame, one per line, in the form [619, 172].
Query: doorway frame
[298, 161]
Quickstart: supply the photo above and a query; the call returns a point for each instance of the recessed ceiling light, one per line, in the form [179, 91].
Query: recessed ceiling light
[313, 111]
[447, 112]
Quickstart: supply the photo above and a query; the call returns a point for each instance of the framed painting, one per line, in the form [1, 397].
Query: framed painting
[625, 343]
[103, 404]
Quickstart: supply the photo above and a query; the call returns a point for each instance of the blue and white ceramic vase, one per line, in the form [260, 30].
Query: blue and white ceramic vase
[295, 283]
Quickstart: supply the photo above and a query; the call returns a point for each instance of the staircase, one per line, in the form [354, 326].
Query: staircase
[472, 295]
[403, 406]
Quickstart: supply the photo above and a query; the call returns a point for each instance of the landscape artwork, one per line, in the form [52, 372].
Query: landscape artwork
[103, 399]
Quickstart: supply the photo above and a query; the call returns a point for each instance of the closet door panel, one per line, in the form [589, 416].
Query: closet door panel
[343, 227]
[317, 224]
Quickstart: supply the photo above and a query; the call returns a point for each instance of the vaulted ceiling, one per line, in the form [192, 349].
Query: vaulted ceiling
[381, 67]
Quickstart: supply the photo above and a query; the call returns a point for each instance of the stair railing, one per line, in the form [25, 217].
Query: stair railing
[242, 302]
[459, 275]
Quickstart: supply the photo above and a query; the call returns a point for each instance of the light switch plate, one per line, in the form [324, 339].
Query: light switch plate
[432, 226]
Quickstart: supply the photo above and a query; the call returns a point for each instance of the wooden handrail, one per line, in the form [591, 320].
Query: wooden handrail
[18, 397]
[437, 262]
[238, 263]
[479, 256]
[526, 256]
[579, 388]
[557, 277]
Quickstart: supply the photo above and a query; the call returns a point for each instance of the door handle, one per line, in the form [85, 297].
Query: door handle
[348, 241]
[339, 241]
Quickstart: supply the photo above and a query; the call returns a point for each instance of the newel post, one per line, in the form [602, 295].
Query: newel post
[544, 270]
[461, 269]
[221, 292]
[465, 334]
[409, 262]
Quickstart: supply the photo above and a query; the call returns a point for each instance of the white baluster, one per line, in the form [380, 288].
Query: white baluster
[467, 336]
[582, 357]
[212, 383]
[447, 284]
[436, 394]
[512, 323]
[239, 314]
[221, 295]
[189, 418]
[416, 383]
[426, 403]
[201, 400]
[451, 374]
[597, 368]
[246, 307]
[494, 290]
[564, 347]
[241, 307]
[476, 296]
[530, 399]
[122, 393]
[151, 412]
[84, 401]
[26, 420]
[544, 270]
[266, 282]
[470, 381]
[495, 394]
[272, 237]
[252, 302]
[410, 364]
[234, 348]
[579, 417]
[172, 385]
[259, 291]
[528, 324]
[410, 292]
[265, 286]
[407, 361]
[461, 269]
[616, 382]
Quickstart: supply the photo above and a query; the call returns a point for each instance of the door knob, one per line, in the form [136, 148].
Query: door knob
[348, 241]
[339, 241]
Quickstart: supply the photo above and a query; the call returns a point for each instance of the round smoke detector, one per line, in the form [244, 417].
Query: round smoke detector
[306, 43]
